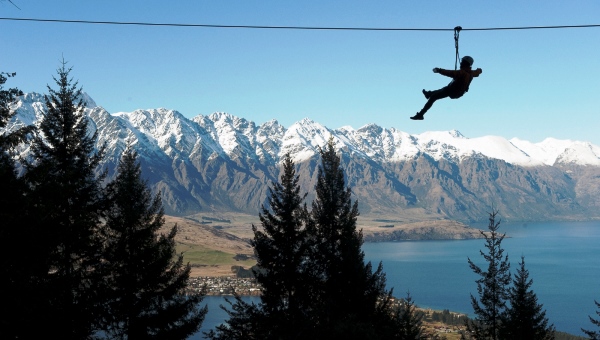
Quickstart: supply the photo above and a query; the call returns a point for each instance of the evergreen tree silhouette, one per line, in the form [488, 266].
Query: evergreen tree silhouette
[317, 285]
[351, 299]
[281, 252]
[525, 319]
[409, 323]
[593, 335]
[67, 202]
[146, 298]
[246, 321]
[17, 268]
[492, 286]
[9, 140]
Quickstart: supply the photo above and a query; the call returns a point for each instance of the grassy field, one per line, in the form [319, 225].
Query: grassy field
[211, 243]
[210, 262]
[200, 255]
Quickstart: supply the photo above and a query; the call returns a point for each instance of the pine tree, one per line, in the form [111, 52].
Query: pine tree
[492, 286]
[593, 335]
[16, 269]
[11, 195]
[408, 322]
[7, 96]
[246, 322]
[525, 319]
[147, 286]
[67, 200]
[281, 252]
[316, 284]
[351, 299]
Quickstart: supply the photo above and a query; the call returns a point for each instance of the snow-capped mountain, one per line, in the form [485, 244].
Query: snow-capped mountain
[221, 162]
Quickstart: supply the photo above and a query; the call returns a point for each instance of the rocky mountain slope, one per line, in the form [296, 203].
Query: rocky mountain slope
[221, 163]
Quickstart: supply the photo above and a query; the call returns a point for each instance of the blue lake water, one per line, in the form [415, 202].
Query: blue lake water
[562, 259]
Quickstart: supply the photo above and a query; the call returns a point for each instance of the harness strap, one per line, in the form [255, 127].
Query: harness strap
[457, 30]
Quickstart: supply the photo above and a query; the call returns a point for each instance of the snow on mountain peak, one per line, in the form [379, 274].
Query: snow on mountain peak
[553, 151]
[88, 101]
[223, 133]
[217, 116]
[303, 138]
[346, 128]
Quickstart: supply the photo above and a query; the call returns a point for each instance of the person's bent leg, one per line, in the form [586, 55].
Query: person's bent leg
[433, 96]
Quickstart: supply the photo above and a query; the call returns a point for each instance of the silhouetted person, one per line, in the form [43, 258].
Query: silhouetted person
[461, 80]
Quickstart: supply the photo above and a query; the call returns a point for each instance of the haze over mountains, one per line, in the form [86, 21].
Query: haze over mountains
[222, 163]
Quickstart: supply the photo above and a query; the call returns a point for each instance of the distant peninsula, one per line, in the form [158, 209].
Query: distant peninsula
[416, 231]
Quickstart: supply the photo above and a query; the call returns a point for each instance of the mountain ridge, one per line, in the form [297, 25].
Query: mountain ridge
[221, 162]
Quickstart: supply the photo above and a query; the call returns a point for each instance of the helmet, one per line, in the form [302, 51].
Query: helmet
[467, 60]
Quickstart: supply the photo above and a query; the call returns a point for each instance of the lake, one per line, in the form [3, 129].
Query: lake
[562, 259]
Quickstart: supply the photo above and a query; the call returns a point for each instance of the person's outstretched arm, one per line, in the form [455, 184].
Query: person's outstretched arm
[447, 73]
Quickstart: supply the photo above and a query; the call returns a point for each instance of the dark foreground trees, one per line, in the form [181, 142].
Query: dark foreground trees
[67, 201]
[146, 282]
[317, 285]
[492, 285]
[63, 243]
[525, 318]
[503, 311]
[352, 298]
[281, 249]
[14, 268]
[594, 334]
[7, 96]
[408, 321]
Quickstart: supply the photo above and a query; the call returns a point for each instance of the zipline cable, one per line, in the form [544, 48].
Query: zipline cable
[294, 27]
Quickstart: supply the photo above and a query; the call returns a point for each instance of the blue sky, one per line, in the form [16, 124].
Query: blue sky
[535, 83]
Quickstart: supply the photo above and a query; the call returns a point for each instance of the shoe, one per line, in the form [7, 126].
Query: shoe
[417, 117]
[427, 94]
